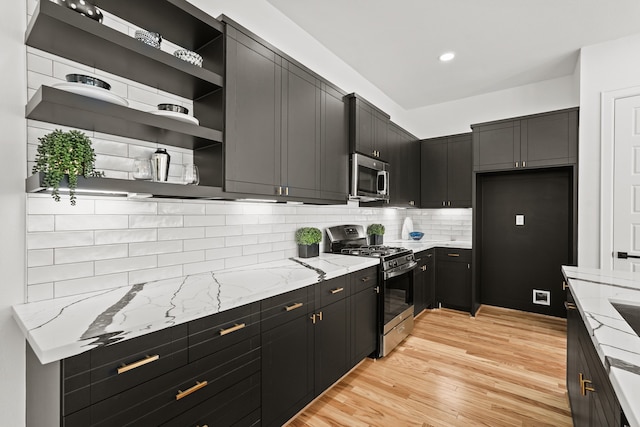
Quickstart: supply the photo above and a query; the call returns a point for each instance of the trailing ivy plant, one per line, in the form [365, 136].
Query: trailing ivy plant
[65, 153]
[308, 236]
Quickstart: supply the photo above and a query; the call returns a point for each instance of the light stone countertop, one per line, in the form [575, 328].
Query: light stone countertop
[64, 327]
[423, 245]
[618, 346]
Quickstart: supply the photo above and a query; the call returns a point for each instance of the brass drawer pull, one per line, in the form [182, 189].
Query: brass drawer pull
[293, 306]
[569, 305]
[583, 385]
[232, 329]
[564, 285]
[453, 254]
[141, 362]
[336, 290]
[188, 391]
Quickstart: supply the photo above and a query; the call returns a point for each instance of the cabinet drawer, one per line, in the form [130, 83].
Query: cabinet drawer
[214, 333]
[332, 290]
[453, 254]
[364, 279]
[282, 308]
[112, 369]
[166, 397]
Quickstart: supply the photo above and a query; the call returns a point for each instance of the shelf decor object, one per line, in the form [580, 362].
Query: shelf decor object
[149, 38]
[376, 233]
[308, 240]
[83, 7]
[63, 154]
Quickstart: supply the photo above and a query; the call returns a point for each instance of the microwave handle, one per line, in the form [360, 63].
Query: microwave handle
[385, 183]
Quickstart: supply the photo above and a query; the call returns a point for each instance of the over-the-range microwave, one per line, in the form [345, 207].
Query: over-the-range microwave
[369, 179]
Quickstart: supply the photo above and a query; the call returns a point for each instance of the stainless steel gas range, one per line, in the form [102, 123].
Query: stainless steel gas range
[395, 302]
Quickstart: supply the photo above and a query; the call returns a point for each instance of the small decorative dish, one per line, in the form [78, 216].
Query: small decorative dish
[87, 80]
[189, 56]
[173, 107]
[177, 116]
[416, 235]
[149, 38]
[95, 92]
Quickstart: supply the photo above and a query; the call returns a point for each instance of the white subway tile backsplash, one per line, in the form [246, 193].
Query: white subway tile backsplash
[180, 233]
[181, 209]
[35, 80]
[126, 236]
[40, 292]
[40, 223]
[90, 284]
[207, 243]
[271, 256]
[39, 257]
[153, 248]
[43, 204]
[112, 148]
[181, 258]
[59, 272]
[203, 220]
[144, 276]
[221, 253]
[59, 239]
[39, 64]
[223, 208]
[125, 264]
[240, 261]
[203, 267]
[240, 241]
[91, 222]
[256, 249]
[125, 207]
[155, 221]
[91, 253]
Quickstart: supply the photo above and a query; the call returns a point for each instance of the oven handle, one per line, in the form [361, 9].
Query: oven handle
[399, 270]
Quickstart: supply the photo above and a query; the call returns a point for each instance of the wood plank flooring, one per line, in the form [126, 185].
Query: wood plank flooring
[501, 368]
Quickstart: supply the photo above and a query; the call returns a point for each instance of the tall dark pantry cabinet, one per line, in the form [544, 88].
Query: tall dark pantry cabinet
[524, 210]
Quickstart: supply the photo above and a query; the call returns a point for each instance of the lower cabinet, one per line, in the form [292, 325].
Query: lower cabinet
[364, 314]
[453, 278]
[592, 398]
[424, 281]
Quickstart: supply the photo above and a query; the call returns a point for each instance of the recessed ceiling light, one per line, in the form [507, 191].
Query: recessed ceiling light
[447, 56]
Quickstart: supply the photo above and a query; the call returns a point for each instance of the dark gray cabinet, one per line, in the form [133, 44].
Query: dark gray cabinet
[453, 276]
[404, 165]
[368, 128]
[424, 281]
[541, 140]
[364, 312]
[286, 129]
[592, 398]
[446, 168]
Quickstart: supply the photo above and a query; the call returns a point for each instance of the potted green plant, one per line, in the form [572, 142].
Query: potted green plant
[308, 239]
[65, 153]
[375, 232]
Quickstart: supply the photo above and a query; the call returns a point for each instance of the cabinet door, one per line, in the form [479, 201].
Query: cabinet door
[252, 131]
[575, 365]
[459, 166]
[364, 326]
[300, 132]
[331, 344]
[453, 275]
[411, 152]
[419, 288]
[334, 146]
[362, 116]
[287, 370]
[381, 136]
[433, 182]
[496, 146]
[549, 140]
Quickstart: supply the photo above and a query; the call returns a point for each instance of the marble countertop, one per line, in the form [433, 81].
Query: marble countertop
[423, 245]
[616, 343]
[64, 327]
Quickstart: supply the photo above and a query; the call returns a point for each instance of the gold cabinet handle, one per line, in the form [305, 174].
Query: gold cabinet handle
[453, 254]
[569, 305]
[524, 164]
[293, 306]
[188, 391]
[584, 388]
[234, 328]
[336, 291]
[125, 368]
[286, 191]
[564, 285]
[313, 318]
[516, 164]
[320, 315]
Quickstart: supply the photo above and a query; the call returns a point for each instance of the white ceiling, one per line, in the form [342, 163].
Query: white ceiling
[499, 43]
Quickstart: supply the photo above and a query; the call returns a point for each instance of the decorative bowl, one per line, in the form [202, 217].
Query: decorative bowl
[416, 235]
[83, 7]
[87, 80]
[189, 56]
[149, 38]
[173, 107]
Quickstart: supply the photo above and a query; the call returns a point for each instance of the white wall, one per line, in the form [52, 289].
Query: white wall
[12, 209]
[604, 67]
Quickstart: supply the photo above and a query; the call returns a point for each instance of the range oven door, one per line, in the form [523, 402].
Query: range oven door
[396, 305]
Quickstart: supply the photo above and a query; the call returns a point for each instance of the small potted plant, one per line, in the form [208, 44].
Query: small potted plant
[65, 153]
[375, 232]
[308, 239]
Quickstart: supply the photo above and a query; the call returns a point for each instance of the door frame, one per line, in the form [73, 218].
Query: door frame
[607, 138]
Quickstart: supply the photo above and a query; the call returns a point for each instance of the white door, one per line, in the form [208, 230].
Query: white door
[626, 184]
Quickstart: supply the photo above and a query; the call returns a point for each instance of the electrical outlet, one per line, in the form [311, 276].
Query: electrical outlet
[541, 297]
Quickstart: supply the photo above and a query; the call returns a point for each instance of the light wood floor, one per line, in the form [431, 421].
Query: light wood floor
[501, 368]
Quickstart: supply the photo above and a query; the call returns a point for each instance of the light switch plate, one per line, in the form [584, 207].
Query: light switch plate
[519, 219]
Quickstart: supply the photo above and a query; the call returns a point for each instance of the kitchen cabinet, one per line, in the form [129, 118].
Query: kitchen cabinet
[56, 29]
[368, 128]
[424, 281]
[453, 276]
[446, 167]
[283, 124]
[541, 140]
[592, 398]
[364, 313]
[172, 374]
[404, 165]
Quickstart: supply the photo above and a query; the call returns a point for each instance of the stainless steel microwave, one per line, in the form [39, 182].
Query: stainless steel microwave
[369, 179]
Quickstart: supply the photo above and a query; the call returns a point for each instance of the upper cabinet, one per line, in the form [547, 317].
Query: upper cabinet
[368, 128]
[286, 128]
[404, 161]
[446, 166]
[549, 139]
